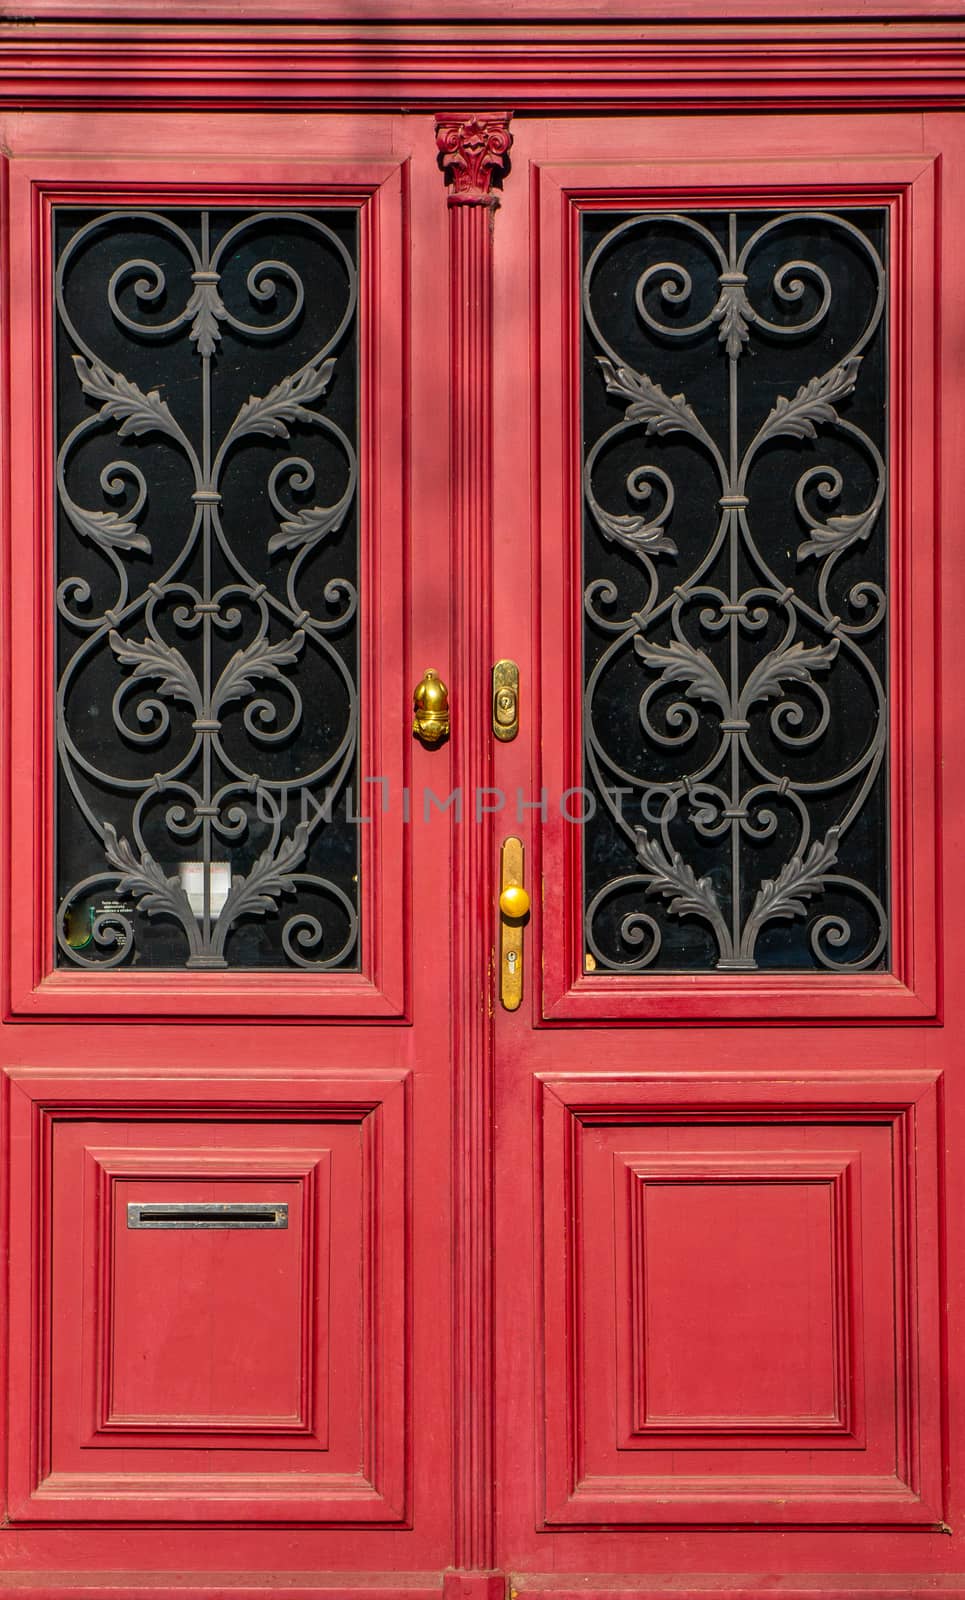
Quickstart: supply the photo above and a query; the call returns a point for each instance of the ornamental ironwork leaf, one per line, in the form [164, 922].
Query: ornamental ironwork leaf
[142, 877]
[647, 402]
[679, 662]
[633, 532]
[257, 660]
[794, 663]
[155, 659]
[269, 877]
[106, 528]
[784, 896]
[813, 403]
[838, 533]
[286, 402]
[121, 398]
[676, 880]
[208, 309]
[308, 526]
[735, 314]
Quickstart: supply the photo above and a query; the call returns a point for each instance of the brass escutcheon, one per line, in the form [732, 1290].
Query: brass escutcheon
[505, 700]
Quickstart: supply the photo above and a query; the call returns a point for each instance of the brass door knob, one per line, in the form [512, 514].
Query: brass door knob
[514, 901]
[430, 704]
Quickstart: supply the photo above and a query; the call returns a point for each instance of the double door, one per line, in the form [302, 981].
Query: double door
[364, 1235]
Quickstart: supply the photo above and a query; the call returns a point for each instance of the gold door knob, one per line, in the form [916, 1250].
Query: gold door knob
[514, 901]
[430, 704]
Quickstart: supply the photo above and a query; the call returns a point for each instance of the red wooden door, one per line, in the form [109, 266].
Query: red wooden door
[717, 1161]
[329, 1272]
[228, 1071]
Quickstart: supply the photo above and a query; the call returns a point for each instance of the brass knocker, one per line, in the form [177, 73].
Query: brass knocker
[430, 703]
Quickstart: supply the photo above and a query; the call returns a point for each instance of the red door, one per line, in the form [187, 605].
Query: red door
[366, 1237]
[718, 1102]
[231, 1090]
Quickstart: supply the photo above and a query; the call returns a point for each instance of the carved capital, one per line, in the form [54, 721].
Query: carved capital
[473, 151]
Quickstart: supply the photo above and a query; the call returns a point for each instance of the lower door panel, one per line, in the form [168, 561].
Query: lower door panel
[221, 1294]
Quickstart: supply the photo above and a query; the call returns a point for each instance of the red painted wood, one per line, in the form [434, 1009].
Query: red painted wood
[498, 1188]
[691, 66]
[336, 1150]
[735, 1353]
[291, 1446]
[865, 1448]
[473, 156]
[504, 12]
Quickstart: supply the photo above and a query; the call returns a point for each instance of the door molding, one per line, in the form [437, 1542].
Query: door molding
[550, 66]
[473, 153]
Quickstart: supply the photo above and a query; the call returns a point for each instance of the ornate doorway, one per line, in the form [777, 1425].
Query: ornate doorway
[478, 1079]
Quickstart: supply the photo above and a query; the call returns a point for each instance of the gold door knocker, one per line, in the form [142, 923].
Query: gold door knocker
[430, 703]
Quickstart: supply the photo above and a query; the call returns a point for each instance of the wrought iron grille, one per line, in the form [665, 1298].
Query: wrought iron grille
[734, 415]
[207, 601]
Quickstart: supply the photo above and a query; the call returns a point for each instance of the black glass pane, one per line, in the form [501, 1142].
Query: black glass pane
[734, 394]
[207, 568]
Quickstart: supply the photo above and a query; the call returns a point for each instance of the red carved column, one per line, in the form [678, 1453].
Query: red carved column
[473, 153]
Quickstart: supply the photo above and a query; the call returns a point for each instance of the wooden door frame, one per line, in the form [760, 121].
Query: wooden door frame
[73, 56]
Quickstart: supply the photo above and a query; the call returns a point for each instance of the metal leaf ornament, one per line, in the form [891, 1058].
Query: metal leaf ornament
[122, 400]
[647, 402]
[679, 662]
[286, 402]
[813, 403]
[155, 659]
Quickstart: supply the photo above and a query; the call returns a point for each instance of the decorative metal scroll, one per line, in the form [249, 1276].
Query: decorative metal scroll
[734, 401]
[206, 476]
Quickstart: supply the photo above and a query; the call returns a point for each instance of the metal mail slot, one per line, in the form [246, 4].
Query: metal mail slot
[205, 1214]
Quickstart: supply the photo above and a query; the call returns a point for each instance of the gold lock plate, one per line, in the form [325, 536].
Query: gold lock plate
[505, 700]
[513, 910]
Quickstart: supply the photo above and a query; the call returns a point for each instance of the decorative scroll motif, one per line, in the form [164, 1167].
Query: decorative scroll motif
[734, 707]
[207, 701]
[473, 152]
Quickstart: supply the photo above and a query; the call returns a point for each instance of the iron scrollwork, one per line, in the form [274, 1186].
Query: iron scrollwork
[735, 576]
[206, 475]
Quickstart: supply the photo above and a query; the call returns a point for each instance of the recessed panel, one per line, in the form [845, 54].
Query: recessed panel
[191, 1349]
[734, 1293]
[209, 1326]
[740, 1291]
[739, 1301]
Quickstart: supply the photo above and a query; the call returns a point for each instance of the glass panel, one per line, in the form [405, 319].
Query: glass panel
[207, 565]
[735, 565]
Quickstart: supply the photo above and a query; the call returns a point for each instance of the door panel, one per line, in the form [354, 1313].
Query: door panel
[736, 1300]
[578, 983]
[735, 1355]
[187, 1397]
[263, 759]
[196, 1366]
